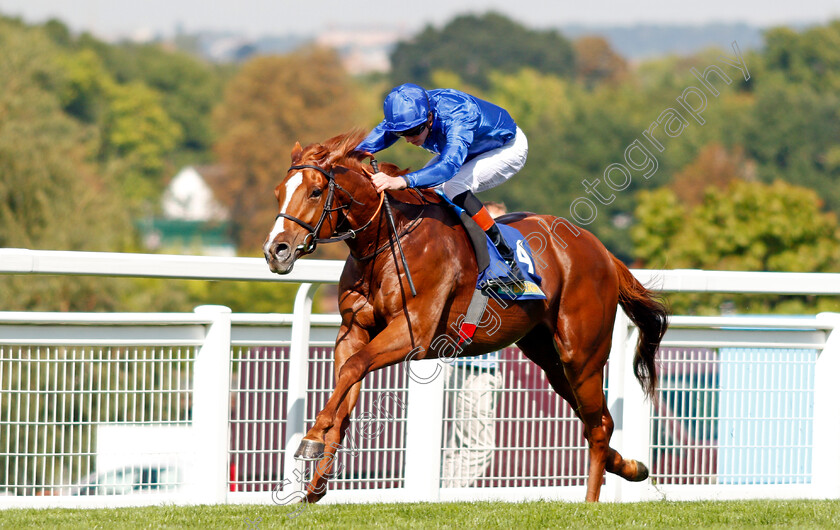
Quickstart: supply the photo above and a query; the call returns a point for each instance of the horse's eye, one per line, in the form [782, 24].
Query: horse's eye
[316, 193]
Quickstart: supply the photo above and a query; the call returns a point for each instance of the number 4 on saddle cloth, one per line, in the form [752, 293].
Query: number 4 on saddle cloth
[493, 274]
[496, 276]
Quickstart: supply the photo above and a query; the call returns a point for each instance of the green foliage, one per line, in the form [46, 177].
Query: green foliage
[536, 101]
[58, 32]
[91, 127]
[577, 129]
[152, 108]
[245, 297]
[810, 58]
[45, 168]
[188, 87]
[85, 85]
[271, 103]
[747, 226]
[138, 132]
[51, 194]
[473, 46]
[597, 62]
[660, 216]
[792, 134]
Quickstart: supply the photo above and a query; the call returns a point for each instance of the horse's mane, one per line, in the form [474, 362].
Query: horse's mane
[341, 150]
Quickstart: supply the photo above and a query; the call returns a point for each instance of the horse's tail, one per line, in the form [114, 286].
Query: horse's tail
[650, 315]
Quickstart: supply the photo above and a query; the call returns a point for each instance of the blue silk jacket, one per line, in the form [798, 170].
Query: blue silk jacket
[464, 126]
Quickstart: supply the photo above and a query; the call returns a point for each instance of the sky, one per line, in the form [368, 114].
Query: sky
[307, 17]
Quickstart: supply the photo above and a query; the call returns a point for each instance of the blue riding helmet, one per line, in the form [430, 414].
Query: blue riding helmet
[406, 106]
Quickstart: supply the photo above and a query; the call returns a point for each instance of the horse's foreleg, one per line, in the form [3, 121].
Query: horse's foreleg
[326, 468]
[391, 346]
[350, 340]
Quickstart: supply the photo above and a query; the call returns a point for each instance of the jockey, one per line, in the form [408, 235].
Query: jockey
[478, 146]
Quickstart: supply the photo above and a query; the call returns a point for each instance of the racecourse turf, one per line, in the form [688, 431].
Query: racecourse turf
[483, 515]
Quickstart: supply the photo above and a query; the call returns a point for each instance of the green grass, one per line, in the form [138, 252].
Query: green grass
[484, 515]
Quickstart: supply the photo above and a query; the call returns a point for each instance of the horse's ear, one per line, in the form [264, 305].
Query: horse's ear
[296, 151]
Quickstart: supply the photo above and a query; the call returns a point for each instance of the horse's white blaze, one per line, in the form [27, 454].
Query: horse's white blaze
[291, 186]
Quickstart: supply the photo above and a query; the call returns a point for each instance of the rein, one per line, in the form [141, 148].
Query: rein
[375, 165]
[311, 240]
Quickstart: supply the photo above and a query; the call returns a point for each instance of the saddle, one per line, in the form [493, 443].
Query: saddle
[493, 274]
[494, 278]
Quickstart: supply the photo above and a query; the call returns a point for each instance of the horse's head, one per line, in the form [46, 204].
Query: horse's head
[310, 200]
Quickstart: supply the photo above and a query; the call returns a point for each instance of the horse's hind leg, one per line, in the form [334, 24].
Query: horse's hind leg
[589, 404]
[592, 410]
[584, 373]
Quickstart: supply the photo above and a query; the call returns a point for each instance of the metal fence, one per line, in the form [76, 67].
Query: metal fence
[64, 409]
[208, 407]
[744, 408]
[139, 409]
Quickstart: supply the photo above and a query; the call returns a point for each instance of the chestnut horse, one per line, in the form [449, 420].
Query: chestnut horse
[327, 193]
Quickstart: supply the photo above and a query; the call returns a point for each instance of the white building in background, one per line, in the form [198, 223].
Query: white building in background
[362, 51]
[190, 198]
[193, 220]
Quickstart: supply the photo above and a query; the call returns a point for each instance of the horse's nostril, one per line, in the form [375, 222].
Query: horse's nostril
[281, 248]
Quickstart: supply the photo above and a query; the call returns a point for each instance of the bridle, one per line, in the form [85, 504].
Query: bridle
[311, 240]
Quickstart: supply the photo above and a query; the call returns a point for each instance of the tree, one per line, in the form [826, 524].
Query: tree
[187, 87]
[473, 46]
[715, 166]
[83, 91]
[792, 133]
[597, 62]
[52, 195]
[152, 106]
[810, 58]
[138, 133]
[746, 226]
[542, 106]
[271, 103]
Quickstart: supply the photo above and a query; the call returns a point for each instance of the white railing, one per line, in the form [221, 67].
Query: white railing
[223, 399]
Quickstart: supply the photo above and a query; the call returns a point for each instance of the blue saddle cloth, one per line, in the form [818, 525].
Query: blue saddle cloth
[498, 270]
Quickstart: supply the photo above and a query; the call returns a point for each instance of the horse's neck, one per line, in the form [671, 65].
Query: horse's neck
[407, 208]
[362, 215]
[408, 215]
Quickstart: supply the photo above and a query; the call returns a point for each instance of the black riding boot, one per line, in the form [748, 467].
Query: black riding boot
[475, 209]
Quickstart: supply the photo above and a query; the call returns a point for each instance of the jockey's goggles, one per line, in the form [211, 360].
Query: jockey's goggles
[414, 131]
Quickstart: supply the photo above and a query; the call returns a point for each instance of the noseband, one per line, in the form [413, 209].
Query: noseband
[311, 240]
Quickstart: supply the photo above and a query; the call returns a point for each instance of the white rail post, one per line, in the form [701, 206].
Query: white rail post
[298, 380]
[825, 460]
[630, 410]
[211, 407]
[424, 429]
[615, 398]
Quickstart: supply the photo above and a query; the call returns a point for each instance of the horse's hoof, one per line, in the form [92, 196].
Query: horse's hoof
[641, 472]
[309, 450]
[312, 498]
